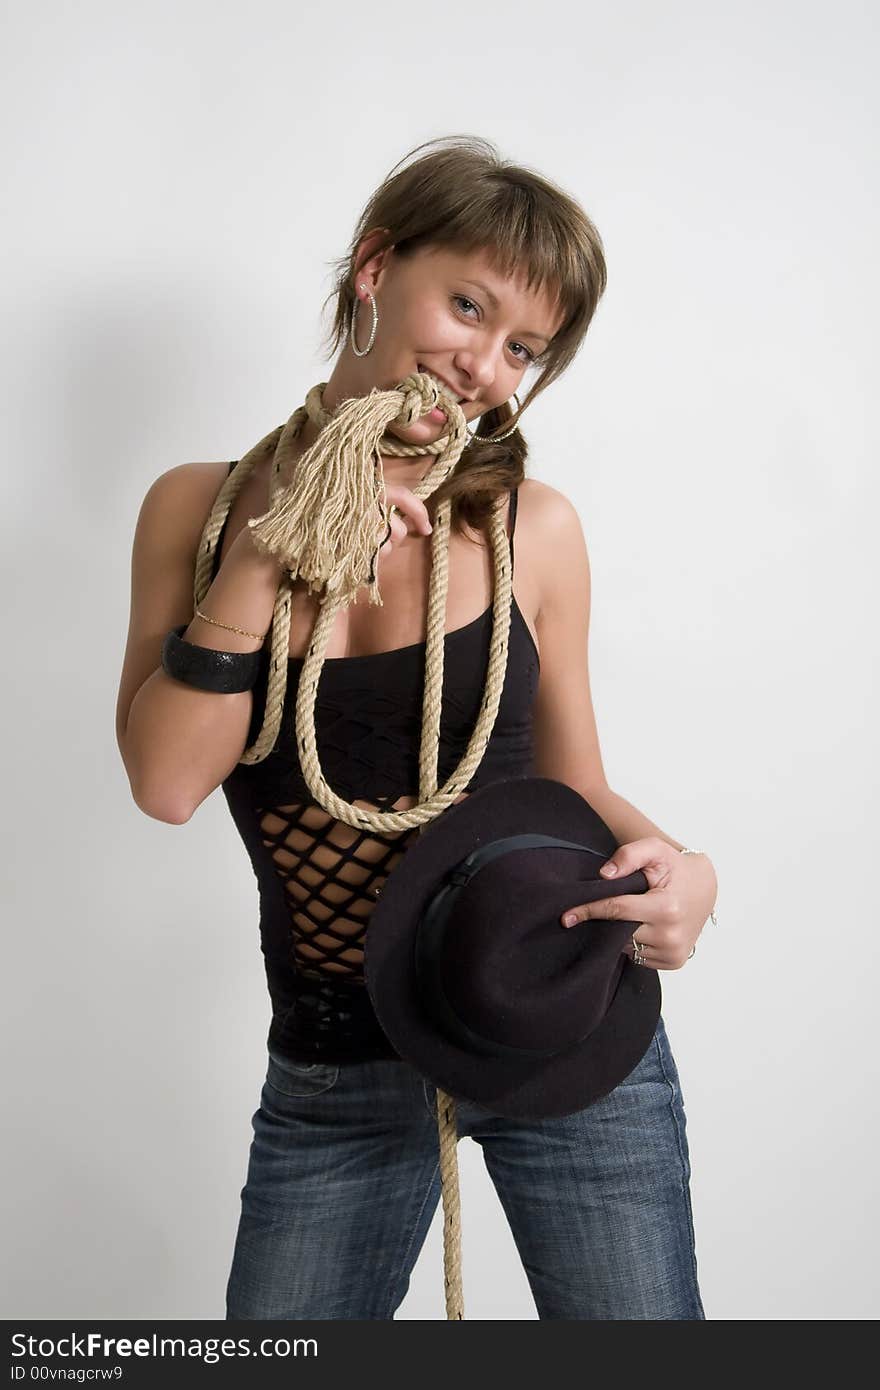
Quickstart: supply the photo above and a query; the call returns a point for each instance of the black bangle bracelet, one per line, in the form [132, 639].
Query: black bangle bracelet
[224, 673]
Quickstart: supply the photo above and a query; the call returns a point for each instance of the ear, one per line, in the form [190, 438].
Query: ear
[371, 263]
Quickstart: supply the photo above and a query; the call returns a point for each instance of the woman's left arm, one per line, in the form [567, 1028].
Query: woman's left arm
[683, 888]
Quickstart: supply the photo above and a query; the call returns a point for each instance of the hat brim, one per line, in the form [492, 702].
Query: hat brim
[529, 1088]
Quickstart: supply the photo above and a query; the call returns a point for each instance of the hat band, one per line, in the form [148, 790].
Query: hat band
[429, 940]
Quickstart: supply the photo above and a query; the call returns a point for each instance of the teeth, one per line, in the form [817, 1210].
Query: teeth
[439, 382]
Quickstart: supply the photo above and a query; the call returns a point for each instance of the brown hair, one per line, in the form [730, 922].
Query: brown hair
[449, 196]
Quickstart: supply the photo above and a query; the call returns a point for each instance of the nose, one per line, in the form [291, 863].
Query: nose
[478, 370]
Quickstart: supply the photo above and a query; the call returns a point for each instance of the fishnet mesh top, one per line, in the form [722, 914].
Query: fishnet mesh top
[319, 878]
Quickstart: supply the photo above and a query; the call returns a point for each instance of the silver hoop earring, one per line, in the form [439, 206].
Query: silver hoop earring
[354, 347]
[490, 439]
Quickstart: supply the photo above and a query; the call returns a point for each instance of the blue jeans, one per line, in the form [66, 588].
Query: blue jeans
[343, 1182]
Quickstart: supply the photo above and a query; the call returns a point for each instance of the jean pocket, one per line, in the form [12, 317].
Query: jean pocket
[294, 1078]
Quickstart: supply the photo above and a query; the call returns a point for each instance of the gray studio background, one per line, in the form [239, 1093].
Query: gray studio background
[177, 179]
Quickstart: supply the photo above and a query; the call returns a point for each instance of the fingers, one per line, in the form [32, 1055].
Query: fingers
[410, 507]
[396, 532]
[657, 957]
[664, 943]
[625, 908]
[407, 513]
[648, 940]
[660, 949]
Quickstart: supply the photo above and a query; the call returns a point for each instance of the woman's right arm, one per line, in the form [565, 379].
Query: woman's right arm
[178, 743]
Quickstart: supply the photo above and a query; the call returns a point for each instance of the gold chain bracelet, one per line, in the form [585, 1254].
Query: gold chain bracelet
[229, 627]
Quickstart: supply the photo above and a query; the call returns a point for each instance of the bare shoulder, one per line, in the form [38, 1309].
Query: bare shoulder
[183, 495]
[545, 505]
[550, 540]
[176, 507]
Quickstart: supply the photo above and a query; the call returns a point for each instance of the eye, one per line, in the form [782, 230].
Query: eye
[463, 299]
[529, 355]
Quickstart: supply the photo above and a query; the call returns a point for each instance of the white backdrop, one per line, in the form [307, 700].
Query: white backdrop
[177, 179]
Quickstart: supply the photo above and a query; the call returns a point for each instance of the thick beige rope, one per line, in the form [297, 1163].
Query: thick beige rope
[323, 528]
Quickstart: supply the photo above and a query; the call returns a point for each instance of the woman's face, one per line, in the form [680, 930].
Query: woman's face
[436, 311]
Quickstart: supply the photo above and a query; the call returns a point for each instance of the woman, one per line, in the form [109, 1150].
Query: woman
[477, 274]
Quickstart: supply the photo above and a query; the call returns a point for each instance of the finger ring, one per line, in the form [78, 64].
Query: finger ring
[638, 952]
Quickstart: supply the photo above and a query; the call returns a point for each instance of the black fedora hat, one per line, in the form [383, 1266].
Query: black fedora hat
[472, 976]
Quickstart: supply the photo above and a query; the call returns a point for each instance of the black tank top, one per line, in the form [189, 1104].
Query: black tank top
[318, 878]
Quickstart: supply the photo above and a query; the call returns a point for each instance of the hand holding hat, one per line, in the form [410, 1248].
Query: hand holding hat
[671, 915]
[472, 978]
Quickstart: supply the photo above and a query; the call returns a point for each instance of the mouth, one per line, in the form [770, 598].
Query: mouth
[440, 382]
